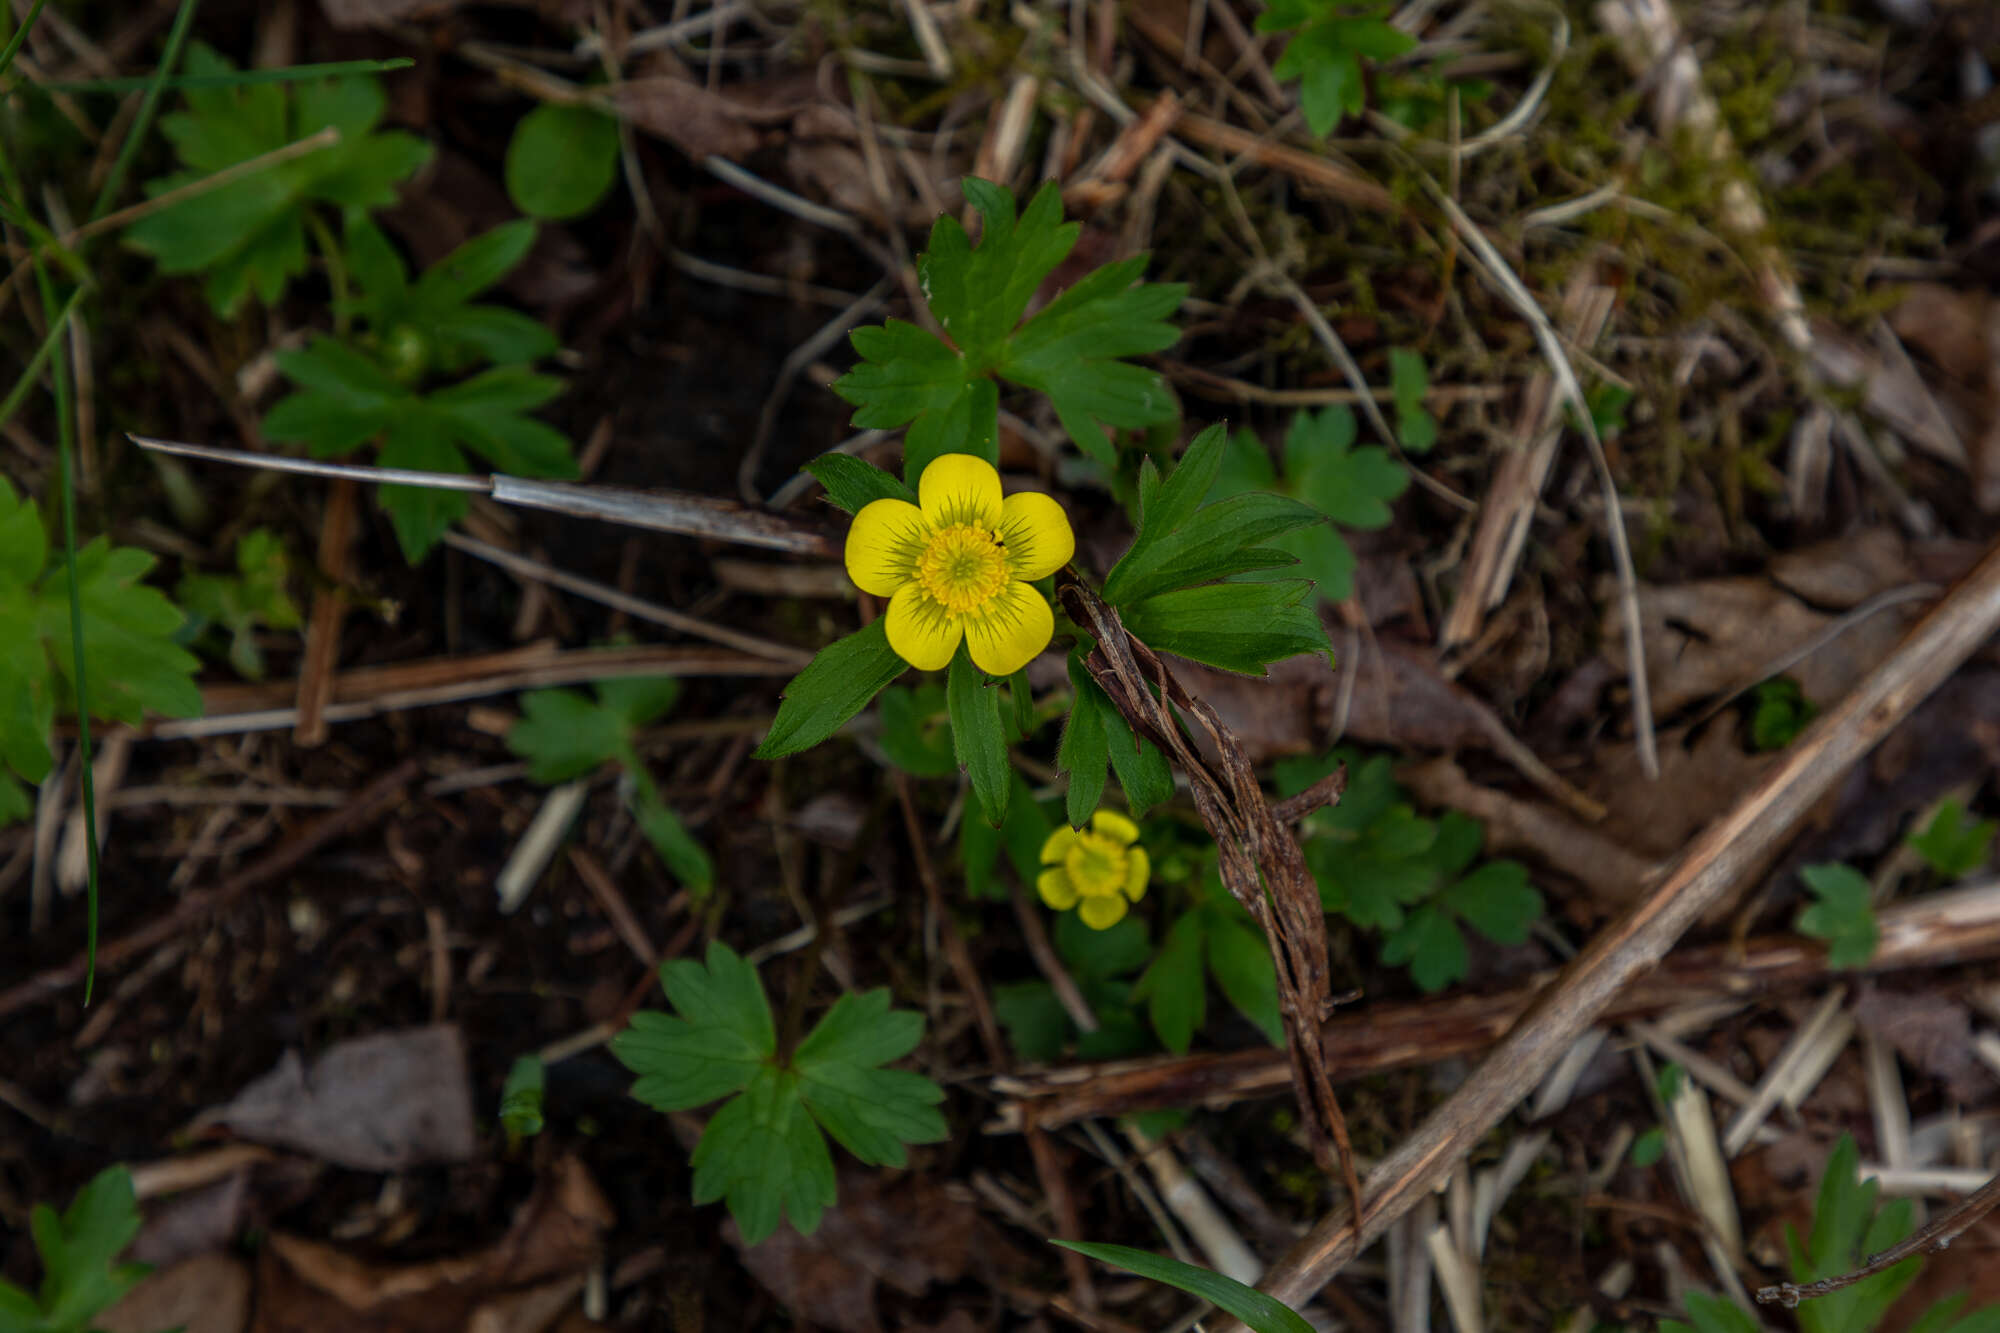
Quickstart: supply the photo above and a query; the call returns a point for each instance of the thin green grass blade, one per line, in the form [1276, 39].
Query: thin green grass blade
[20, 35]
[1262, 1312]
[12, 401]
[65, 446]
[239, 78]
[183, 20]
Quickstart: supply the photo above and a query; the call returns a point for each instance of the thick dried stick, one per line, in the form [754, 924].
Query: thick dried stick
[1260, 860]
[371, 801]
[1937, 1235]
[1938, 930]
[1637, 940]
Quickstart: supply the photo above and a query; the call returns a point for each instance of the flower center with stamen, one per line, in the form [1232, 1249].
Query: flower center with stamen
[962, 568]
[1096, 865]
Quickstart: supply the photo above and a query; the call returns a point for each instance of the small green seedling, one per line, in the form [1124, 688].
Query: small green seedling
[250, 235]
[1779, 712]
[346, 398]
[1386, 868]
[1330, 38]
[128, 641]
[1409, 382]
[431, 325]
[1842, 916]
[1350, 487]
[764, 1150]
[219, 604]
[562, 161]
[1070, 350]
[1846, 1229]
[81, 1277]
[1954, 844]
[521, 1100]
[563, 736]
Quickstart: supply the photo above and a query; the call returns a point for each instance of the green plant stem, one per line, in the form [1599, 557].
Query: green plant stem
[176, 36]
[336, 271]
[20, 35]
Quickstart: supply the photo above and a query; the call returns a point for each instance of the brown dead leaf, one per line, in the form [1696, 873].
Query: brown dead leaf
[699, 122]
[1959, 332]
[209, 1293]
[377, 1103]
[353, 14]
[1702, 773]
[1932, 1031]
[908, 1233]
[520, 1285]
[1713, 636]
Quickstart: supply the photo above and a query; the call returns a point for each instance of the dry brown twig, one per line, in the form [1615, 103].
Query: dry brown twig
[1260, 860]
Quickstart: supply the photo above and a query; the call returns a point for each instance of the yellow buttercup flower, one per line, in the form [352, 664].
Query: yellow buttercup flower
[956, 565]
[1095, 870]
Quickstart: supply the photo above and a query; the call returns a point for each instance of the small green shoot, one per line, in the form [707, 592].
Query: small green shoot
[250, 235]
[1070, 350]
[1330, 38]
[563, 736]
[347, 397]
[562, 161]
[764, 1150]
[1264, 1314]
[1779, 712]
[1954, 844]
[127, 638]
[81, 1277]
[431, 326]
[1351, 487]
[1649, 1147]
[521, 1100]
[1409, 381]
[1842, 915]
[219, 604]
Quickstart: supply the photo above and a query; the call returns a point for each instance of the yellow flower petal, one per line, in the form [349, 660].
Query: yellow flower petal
[959, 488]
[1037, 533]
[919, 630]
[1101, 913]
[1056, 890]
[1058, 843]
[1008, 632]
[883, 545]
[1138, 869]
[1116, 827]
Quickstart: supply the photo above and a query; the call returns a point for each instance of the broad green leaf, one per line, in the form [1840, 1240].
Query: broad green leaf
[1265, 1314]
[1238, 627]
[1083, 753]
[1953, 843]
[838, 683]
[871, 1112]
[763, 1154]
[1843, 916]
[977, 736]
[1173, 987]
[1497, 901]
[1143, 770]
[1241, 963]
[1033, 1017]
[562, 161]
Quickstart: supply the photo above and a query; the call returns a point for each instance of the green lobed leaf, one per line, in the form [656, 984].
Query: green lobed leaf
[1409, 381]
[1953, 843]
[872, 1112]
[1033, 1017]
[561, 161]
[762, 1153]
[1497, 901]
[563, 735]
[79, 1248]
[128, 636]
[1240, 961]
[1265, 1314]
[1172, 985]
[1430, 945]
[838, 683]
[977, 736]
[719, 1038]
[1843, 916]
[854, 483]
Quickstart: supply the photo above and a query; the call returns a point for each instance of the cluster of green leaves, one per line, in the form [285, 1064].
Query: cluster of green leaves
[128, 644]
[79, 1247]
[561, 161]
[564, 735]
[763, 1150]
[1384, 867]
[947, 393]
[371, 384]
[1179, 589]
[236, 604]
[1779, 711]
[1846, 1229]
[1349, 487]
[1330, 38]
[250, 235]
